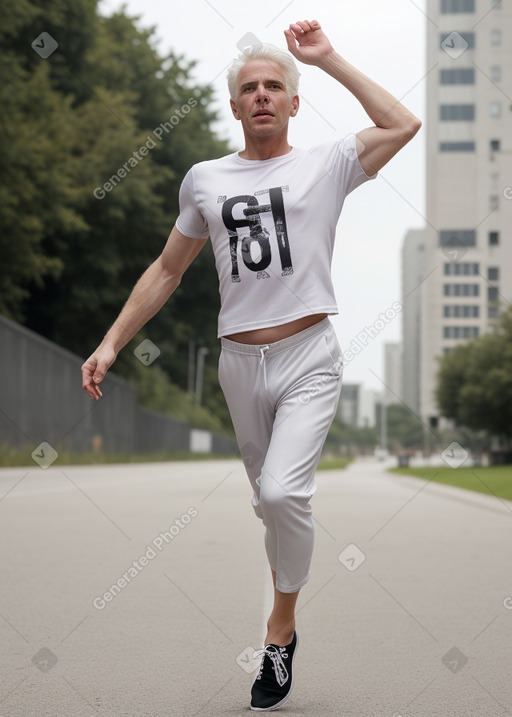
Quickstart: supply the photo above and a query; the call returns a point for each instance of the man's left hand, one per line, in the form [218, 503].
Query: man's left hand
[307, 42]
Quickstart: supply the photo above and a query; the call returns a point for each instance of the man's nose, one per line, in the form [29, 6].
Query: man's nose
[262, 94]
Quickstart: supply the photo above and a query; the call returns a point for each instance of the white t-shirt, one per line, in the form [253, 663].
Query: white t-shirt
[272, 225]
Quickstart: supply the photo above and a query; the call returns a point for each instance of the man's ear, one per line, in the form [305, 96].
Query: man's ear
[295, 105]
[234, 109]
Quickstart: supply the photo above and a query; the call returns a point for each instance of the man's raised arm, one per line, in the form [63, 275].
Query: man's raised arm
[394, 126]
[149, 294]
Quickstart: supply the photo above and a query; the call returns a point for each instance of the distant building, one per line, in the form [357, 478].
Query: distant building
[413, 272]
[392, 372]
[468, 238]
[348, 408]
[357, 405]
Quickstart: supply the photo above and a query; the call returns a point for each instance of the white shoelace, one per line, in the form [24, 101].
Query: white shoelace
[263, 352]
[276, 655]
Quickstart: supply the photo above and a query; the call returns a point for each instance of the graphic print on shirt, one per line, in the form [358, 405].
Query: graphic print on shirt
[258, 234]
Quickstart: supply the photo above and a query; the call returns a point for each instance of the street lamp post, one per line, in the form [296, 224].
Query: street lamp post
[384, 424]
[191, 366]
[203, 351]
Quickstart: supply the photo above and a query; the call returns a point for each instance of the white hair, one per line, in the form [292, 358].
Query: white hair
[265, 52]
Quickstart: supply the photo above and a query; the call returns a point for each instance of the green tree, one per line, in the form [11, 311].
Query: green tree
[345, 439]
[70, 122]
[404, 428]
[37, 145]
[475, 382]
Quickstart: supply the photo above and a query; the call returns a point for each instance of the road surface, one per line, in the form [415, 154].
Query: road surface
[143, 590]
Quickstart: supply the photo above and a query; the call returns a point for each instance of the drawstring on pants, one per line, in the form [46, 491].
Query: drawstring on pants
[263, 351]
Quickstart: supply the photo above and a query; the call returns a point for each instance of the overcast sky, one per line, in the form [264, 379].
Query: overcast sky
[385, 39]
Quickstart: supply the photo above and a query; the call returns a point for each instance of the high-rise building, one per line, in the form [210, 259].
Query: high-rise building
[468, 238]
[392, 372]
[413, 272]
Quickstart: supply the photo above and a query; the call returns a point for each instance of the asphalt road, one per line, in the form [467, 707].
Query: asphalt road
[143, 589]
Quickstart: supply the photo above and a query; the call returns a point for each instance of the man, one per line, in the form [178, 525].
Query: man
[271, 212]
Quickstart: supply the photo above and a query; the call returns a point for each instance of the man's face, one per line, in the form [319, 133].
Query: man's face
[262, 103]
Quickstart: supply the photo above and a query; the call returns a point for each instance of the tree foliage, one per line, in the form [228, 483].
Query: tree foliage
[475, 382]
[348, 440]
[69, 124]
[404, 429]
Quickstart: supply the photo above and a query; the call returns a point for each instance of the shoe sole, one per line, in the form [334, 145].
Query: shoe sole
[286, 697]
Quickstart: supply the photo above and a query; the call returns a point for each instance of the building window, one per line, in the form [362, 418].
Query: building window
[456, 146]
[448, 6]
[460, 332]
[461, 76]
[469, 37]
[457, 237]
[461, 312]
[493, 273]
[495, 109]
[494, 202]
[457, 113]
[492, 293]
[496, 38]
[493, 312]
[495, 145]
[462, 269]
[494, 238]
[461, 290]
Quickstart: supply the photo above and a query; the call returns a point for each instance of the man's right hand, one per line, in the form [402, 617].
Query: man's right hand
[94, 370]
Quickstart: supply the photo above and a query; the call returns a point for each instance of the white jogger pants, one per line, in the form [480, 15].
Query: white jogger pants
[282, 398]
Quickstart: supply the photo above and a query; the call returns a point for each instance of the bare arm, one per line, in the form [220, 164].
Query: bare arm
[394, 124]
[149, 294]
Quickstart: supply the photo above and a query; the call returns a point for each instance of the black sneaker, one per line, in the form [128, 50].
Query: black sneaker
[273, 685]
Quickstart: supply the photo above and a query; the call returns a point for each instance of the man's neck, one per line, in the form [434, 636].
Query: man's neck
[265, 149]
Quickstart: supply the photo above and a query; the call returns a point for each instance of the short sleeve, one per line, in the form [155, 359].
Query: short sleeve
[190, 221]
[342, 162]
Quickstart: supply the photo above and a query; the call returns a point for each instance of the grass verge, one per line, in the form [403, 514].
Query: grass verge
[331, 464]
[14, 457]
[10, 457]
[491, 480]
